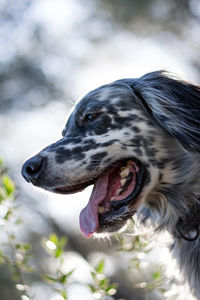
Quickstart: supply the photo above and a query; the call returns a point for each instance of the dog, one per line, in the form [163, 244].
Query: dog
[138, 142]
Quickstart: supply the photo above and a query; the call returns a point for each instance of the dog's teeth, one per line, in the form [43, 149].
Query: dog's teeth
[100, 210]
[129, 165]
[112, 198]
[124, 173]
[118, 191]
[123, 181]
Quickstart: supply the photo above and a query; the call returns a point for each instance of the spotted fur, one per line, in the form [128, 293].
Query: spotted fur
[156, 119]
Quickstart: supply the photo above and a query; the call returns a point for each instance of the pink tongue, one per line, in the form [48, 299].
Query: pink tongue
[88, 219]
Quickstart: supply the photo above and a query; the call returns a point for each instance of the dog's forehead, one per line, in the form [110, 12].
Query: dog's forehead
[104, 95]
[111, 98]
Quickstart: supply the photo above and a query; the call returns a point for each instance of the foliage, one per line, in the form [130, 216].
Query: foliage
[101, 286]
[55, 247]
[139, 247]
[14, 253]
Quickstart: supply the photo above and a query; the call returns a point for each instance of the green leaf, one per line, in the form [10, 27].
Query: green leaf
[53, 238]
[1, 162]
[100, 267]
[2, 258]
[62, 242]
[93, 274]
[112, 286]
[157, 275]
[92, 288]
[64, 294]
[69, 273]
[18, 221]
[58, 252]
[2, 196]
[63, 279]
[8, 184]
[12, 237]
[49, 278]
[103, 282]
[27, 246]
[8, 214]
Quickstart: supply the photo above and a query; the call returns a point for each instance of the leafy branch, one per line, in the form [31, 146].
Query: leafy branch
[55, 247]
[13, 253]
[101, 286]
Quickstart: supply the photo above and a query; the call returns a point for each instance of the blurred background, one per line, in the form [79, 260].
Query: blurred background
[52, 52]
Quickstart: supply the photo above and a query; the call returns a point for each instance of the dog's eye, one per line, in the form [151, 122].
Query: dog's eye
[91, 117]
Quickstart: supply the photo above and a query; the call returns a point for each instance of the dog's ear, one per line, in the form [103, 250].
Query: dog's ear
[171, 104]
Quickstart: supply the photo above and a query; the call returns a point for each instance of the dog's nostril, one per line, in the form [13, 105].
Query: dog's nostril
[32, 167]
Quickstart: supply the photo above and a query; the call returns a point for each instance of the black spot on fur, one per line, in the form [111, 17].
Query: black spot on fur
[89, 147]
[159, 164]
[138, 151]
[126, 133]
[137, 141]
[96, 160]
[63, 142]
[151, 139]
[102, 126]
[106, 144]
[135, 129]
[124, 105]
[89, 141]
[151, 152]
[121, 122]
[123, 147]
[107, 161]
[153, 162]
[160, 176]
[77, 150]
[99, 156]
[63, 154]
[134, 117]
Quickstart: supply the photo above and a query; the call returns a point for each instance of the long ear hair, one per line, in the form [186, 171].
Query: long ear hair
[172, 104]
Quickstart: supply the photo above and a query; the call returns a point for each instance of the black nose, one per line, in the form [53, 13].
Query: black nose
[32, 167]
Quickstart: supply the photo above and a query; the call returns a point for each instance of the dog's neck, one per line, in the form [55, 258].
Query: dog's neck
[190, 223]
[187, 254]
[176, 208]
[180, 198]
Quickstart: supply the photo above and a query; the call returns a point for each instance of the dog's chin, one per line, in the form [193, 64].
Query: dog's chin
[115, 197]
[113, 227]
[117, 220]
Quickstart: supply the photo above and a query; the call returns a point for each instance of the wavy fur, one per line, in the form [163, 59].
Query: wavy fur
[174, 106]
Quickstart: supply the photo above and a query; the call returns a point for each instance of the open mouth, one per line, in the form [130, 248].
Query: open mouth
[114, 197]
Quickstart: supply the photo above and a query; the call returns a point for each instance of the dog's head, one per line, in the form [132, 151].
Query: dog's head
[131, 139]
